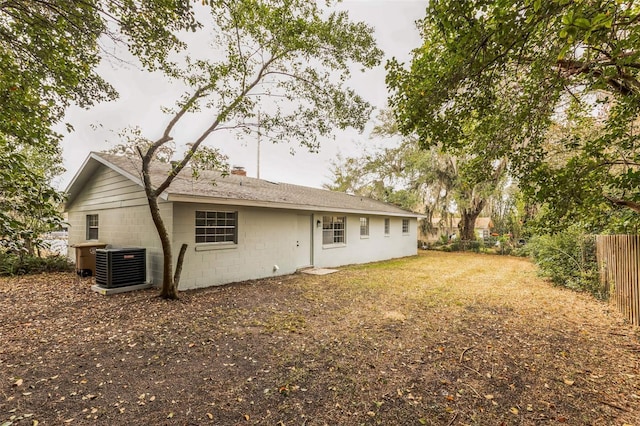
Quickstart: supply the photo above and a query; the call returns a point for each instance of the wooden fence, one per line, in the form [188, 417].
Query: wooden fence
[619, 264]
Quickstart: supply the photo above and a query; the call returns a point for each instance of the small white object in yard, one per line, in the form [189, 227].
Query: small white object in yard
[275, 268]
[56, 246]
[319, 271]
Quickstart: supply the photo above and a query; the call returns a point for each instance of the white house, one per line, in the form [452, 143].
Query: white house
[236, 227]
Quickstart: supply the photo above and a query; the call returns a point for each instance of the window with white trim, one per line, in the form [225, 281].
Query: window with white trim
[334, 229]
[387, 226]
[405, 226]
[92, 227]
[216, 227]
[364, 226]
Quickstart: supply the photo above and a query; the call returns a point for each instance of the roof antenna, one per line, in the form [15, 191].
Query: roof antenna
[258, 174]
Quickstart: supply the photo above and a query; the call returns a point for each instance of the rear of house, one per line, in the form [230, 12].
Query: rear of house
[238, 229]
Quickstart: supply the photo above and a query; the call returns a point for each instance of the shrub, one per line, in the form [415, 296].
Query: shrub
[490, 241]
[13, 264]
[474, 245]
[568, 259]
[505, 250]
[471, 245]
[522, 251]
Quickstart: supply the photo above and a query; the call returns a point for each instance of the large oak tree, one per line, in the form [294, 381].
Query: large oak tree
[432, 181]
[518, 66]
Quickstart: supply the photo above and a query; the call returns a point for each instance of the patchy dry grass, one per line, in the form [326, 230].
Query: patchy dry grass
[439, 339]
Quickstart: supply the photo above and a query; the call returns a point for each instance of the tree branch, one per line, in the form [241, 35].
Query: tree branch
[219, 119]
[176, 276]
[623, 203]
[573, 67]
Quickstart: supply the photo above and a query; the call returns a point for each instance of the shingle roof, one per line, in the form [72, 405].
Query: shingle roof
[212, 186]
[484, 222]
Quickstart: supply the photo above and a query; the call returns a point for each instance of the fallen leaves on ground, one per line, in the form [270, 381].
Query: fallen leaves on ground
[438, 339]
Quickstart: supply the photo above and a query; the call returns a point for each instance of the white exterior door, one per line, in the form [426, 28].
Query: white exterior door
[303, 242]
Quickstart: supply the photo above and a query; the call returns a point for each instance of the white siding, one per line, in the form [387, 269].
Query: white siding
[109, 189]
[123, 217]
[377, 246]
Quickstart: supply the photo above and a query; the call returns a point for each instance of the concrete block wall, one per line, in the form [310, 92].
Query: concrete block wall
[124, 227]
[122, 221]
[265, 239]
[377, 246]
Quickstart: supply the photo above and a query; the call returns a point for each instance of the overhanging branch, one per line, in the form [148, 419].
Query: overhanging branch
[222, 116]
[623, 203]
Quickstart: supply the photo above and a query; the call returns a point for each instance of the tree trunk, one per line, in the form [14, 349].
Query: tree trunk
[467, 225]
[468, 218]
[169, 289]
[176, 276]
[28, 246]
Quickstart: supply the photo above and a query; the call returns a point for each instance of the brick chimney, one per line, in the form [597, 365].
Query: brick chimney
[239, 171]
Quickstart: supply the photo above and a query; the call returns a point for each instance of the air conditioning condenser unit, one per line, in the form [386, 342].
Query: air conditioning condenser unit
[120, 267]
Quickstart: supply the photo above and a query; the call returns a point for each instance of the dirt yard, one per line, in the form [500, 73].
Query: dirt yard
[438, 339]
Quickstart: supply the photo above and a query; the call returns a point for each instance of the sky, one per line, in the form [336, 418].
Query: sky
[142, 95]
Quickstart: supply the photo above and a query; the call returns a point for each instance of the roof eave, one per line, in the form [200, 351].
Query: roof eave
[81, 177]
[183, 198]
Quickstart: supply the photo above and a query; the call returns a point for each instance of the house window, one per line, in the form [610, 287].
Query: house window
[333, 229]
[216, 227]
[405, 226]
[387, 226]
[92, 227]
[364, 226]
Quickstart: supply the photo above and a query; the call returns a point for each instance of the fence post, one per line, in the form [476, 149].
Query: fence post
[618, 258]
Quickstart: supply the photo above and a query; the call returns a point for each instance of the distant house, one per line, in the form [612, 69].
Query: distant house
[237, 227]
[483, 227]
[449, 227]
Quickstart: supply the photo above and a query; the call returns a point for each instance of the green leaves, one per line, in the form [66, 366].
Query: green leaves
[277, 68]
[512, 70]
[428, 180]
[48, 54]
[28, 203]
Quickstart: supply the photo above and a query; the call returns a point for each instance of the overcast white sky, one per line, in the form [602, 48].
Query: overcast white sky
[142, 95]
